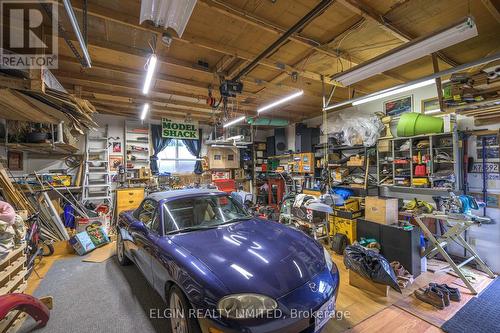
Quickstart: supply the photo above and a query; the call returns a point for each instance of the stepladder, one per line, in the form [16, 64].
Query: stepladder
[97, 179]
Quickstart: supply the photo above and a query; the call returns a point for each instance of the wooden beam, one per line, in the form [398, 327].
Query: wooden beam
[492, 9]
[14, 82]
[136, 107]
[309, 42]
[373, 15]
[155, 115]
[187, 38]
[273, 28]
[178, 63]
[435, 66]
[118, 97]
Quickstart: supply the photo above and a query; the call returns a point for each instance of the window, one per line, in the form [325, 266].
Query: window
[202, 212]
[146, 212]
[176, 158]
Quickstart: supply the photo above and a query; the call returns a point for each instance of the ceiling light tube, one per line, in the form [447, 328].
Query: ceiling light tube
[234, 121]
[449, 71]
[281, 101]
[145, 110]
[394, 92]
[149, 75]
[465, 29]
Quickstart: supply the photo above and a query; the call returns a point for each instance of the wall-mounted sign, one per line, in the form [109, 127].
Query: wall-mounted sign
[490, 167]
[179, 129]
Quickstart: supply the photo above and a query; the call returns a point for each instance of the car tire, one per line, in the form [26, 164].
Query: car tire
[339, 243]
[178, 303]
[120, 251]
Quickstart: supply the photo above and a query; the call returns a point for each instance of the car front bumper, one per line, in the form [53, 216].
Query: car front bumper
[296, 312]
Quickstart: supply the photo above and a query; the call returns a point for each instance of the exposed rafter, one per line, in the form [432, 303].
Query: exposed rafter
[373, 15]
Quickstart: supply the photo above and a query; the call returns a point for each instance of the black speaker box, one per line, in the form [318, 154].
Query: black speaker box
[270, 149]
[280, 141]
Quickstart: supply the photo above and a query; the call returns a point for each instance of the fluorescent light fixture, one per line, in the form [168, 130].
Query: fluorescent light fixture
[433, 111]
[281, 101]
[393, 92]
[145, 110]
[173, 14]
[236, 138]
[234, 121]
[149, 75]
[428, 78]
[410, 51]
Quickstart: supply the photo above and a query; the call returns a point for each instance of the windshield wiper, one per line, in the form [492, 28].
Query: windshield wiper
[237, 219]
[191, 229]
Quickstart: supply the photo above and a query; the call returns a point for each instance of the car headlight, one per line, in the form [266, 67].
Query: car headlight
[328, 259]
[245, 306]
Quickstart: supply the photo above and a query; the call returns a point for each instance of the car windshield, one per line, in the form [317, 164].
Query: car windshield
[201, 212]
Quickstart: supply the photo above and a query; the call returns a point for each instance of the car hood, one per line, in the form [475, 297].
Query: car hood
[256, 256]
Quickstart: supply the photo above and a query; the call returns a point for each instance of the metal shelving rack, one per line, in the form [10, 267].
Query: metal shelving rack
[433, 150]
[135, 139]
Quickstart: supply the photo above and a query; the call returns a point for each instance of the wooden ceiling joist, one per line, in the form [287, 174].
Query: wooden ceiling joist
[371, 14]
[132, 21]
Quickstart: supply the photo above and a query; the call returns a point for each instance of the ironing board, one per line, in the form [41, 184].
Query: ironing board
[456, 227]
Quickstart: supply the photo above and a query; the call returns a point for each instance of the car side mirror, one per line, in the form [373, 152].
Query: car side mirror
[139, 226]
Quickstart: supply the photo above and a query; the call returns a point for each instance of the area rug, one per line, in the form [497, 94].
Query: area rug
[480, 315]
[99, 297]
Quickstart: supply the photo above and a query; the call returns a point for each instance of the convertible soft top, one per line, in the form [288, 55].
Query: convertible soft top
[182, 193]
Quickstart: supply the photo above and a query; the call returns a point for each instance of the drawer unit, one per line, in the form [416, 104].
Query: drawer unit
[128, 198]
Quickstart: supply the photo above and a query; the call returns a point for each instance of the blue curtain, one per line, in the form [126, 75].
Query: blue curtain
[159, 143]
[194, 147]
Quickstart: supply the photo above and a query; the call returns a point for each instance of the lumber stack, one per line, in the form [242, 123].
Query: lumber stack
[52, 228]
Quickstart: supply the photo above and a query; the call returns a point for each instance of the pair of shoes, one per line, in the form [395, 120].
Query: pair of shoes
[404, 277]
[453, 293]
[433, 296]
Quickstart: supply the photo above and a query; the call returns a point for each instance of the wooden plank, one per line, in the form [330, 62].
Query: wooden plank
[14, 265]
[356, 280]
[393, 319]
[13, 253]
[9, 98]
[13, 283]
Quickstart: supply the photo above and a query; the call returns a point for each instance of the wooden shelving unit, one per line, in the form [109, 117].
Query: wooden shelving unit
[13, 280]
[137, 144]
[42, 148]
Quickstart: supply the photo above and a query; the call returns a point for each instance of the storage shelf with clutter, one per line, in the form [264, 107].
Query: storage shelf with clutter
[423, 161]
[136, 151]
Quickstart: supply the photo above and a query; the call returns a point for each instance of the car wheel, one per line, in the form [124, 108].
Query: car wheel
[120, 251]
[180, 320]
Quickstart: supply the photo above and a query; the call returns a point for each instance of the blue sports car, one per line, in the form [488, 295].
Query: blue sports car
[222, 270]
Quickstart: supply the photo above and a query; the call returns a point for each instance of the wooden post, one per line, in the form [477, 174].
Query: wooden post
[439, 88]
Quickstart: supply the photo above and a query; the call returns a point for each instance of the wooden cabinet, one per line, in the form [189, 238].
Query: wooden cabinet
[128, 198]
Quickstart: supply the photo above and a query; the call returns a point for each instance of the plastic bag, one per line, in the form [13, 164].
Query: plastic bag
[371, 265]
[358, 130]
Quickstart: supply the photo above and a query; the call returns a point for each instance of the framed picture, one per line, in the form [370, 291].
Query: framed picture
[115, 161]
[15, 160]
[117, 147]
[398, 106]
[430, 104]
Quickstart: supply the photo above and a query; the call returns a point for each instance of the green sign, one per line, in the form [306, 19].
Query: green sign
[178, 130]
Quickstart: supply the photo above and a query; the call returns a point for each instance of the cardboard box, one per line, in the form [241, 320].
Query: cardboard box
[224, 158]
[384, 146]
[356, 161]
[82, 243]
[381, 210]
